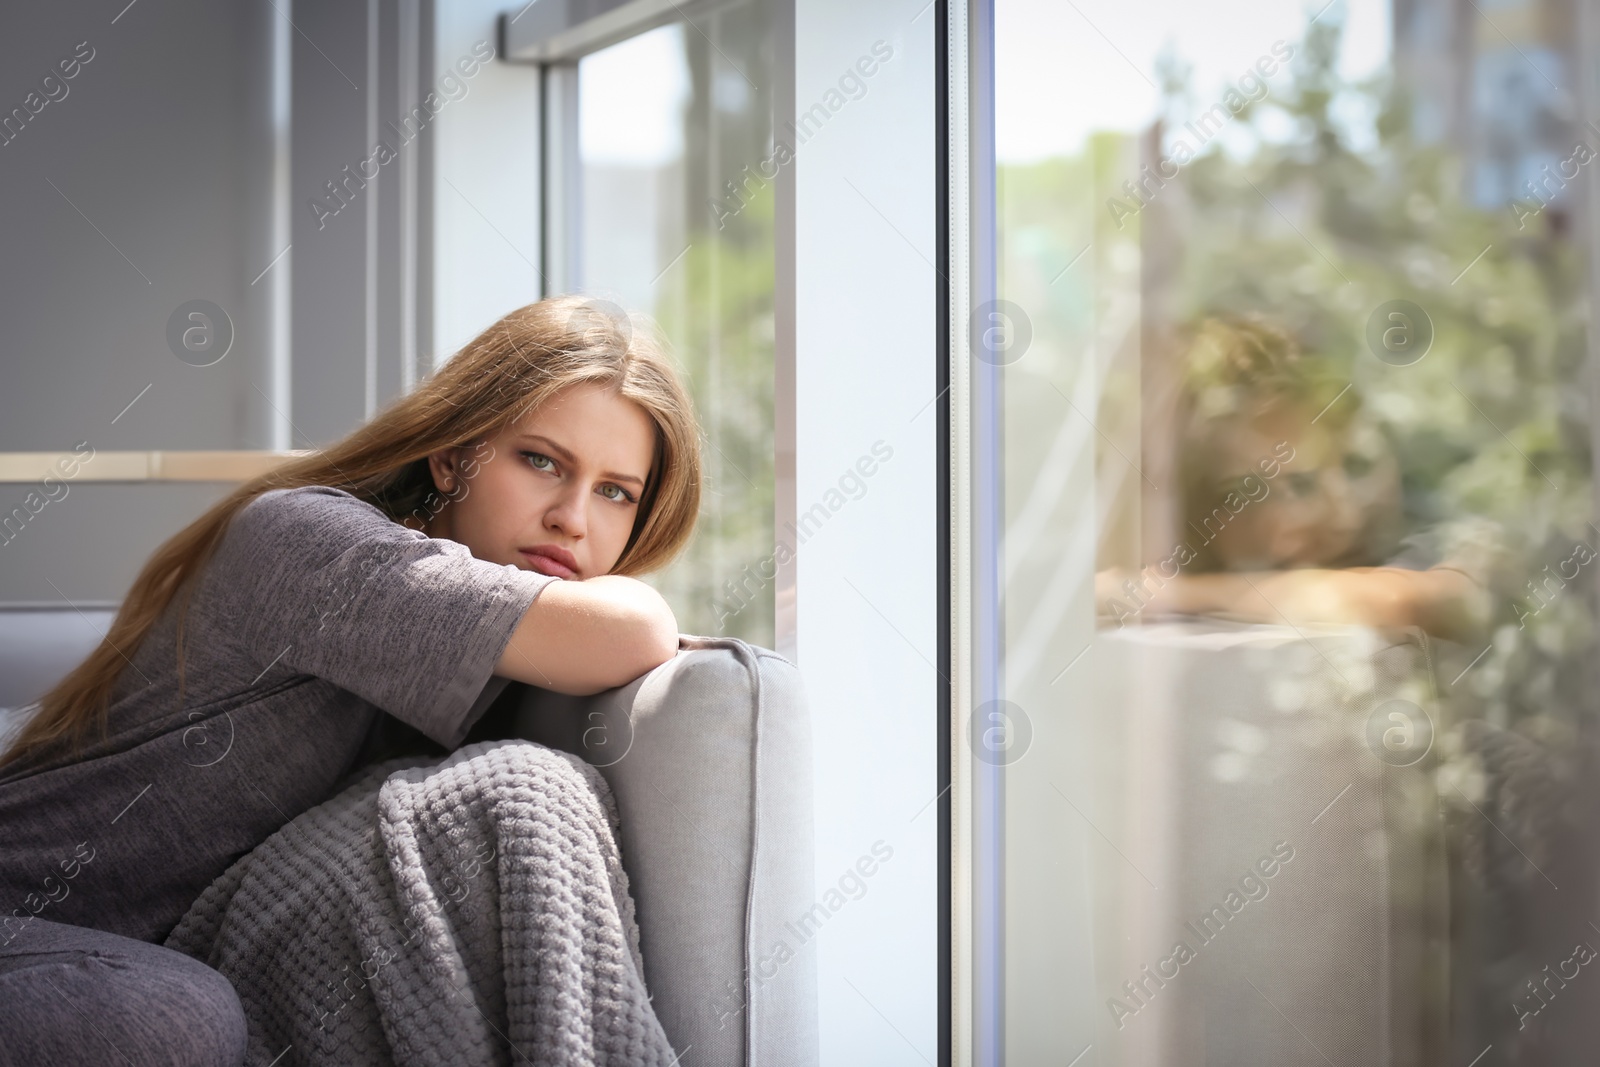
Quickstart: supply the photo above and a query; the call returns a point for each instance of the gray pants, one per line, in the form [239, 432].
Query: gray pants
[75, 995]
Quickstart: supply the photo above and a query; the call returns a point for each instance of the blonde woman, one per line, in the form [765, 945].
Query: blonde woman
[486, 529]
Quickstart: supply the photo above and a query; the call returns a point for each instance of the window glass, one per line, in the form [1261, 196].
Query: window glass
[677, 222]
[1299, 566]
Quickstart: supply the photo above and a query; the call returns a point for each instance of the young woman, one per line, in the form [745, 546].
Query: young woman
[485, 529]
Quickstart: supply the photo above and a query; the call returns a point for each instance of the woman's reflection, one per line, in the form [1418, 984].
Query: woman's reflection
[1290, 505]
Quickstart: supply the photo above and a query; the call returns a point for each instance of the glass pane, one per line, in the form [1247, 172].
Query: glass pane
[673, 124]
[1299, 561]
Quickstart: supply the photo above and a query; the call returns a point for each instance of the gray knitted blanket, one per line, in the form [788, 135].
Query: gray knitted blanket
[472, 910]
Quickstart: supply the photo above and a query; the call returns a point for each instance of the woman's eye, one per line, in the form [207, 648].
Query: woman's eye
[1302, 482]
[534, 458]
[621, 494]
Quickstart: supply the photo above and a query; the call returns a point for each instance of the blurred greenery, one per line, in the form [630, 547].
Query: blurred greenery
[723, 335]
[716, 308]
[1494, 421]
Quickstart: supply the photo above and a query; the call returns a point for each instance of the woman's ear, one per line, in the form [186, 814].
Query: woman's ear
[444, 466]
[444, 470]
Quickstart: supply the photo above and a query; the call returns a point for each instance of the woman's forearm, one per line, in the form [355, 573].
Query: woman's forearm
[1443, 602]
[584, 637]
[1263, 596]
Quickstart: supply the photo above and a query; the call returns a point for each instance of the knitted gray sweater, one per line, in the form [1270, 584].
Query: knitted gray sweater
[472, 910]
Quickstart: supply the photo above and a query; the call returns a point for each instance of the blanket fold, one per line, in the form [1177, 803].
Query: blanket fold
[470, 911]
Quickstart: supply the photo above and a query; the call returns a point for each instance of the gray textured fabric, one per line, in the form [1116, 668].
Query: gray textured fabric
[709, 758]
[78, 996]
[315, 612]
[473, 911]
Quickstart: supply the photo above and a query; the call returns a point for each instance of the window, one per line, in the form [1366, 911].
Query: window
[676, 220]
[1297, 588]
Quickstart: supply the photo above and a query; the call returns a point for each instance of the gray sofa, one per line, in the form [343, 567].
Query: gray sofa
[709, 758]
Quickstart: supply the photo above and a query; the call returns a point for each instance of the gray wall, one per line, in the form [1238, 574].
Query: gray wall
[189, 146]
[156, 144]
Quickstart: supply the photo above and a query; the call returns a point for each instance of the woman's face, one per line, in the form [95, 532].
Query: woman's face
[1321, 506]
[566, 480]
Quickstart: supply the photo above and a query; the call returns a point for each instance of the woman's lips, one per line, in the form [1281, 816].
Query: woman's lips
[546, 565]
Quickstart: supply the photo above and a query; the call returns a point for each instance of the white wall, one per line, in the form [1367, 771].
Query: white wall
[486, 185]
[867, 625]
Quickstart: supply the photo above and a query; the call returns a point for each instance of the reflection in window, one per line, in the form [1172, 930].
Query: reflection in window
[670, 123]
[1299, 564]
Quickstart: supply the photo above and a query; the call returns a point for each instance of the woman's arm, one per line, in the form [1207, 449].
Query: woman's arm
[586, 637]
[1442, 601]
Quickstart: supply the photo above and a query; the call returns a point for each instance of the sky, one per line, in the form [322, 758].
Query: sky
[631, 97]
[1064, 68]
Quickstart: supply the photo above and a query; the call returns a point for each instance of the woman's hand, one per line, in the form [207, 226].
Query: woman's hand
[1110, 596]
[584, 637]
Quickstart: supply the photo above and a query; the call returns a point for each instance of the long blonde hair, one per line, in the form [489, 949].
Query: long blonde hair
[499, 377]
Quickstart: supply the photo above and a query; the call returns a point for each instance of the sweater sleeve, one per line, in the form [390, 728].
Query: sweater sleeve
[325, 584]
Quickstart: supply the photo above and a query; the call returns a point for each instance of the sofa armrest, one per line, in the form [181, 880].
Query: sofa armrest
[709, 759]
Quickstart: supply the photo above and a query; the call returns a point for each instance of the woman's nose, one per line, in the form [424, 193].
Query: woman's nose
[1343, 505]
[567, 514]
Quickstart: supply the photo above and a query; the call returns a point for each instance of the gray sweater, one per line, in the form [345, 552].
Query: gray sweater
[316, 614]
